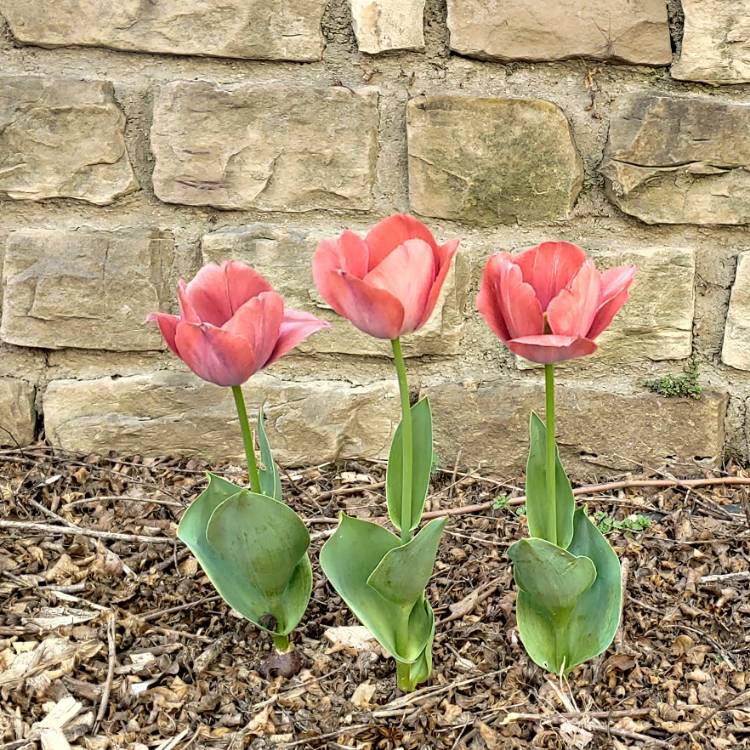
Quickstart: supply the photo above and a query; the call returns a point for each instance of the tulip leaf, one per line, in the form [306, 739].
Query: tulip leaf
[551, 575]
[403, 573]
[536, 490]
[348, 559]
[421, 415]
[270, 481]
[254, 551]
[560, 641]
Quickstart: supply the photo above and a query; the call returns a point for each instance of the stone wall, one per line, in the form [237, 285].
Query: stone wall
[139, 141]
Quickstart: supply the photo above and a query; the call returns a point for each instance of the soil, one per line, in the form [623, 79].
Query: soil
[122, 643]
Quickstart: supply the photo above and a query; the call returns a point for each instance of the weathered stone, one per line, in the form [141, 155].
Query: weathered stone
[715, 42]
[86, 289]
[491, 160]
[736, 349]
[382, 25]
[16, 412]
[174, 412]
[673, 160]
[284, 257]
[62, 138]
[251, 29]
[634, 32]
[271, 147]
[598, 430]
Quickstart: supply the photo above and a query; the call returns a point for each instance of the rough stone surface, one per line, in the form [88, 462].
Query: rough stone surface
[657, 321]
[736, 349]
[308, 422]
[634, 32]
[271, 147]
[490, 160]
[16, 412]
[382, 25]
[252, 29]
[284, 257]
[673, 160]
[715, 42]
[598, 430]
[86, 289]
[61, 138]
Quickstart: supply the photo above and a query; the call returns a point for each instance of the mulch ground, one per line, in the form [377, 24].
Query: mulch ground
[110, 642]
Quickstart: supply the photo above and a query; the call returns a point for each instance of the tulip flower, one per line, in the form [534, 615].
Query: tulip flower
[549, 303]
[232, 324]
[388, 283]
[250, 544]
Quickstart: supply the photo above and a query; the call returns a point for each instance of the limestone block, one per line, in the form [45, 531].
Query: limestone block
[86, 289]
[382, 25]
[677, 160]
[736, 349]
[250, 29]
[270, 147]
[491, 160]
[715, 42]
[16, 412]
[599, 430]
[284, 256]
[61, 138]
[176, 413]
[633, 32]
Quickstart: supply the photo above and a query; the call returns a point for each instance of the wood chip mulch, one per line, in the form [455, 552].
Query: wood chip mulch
[115, 639]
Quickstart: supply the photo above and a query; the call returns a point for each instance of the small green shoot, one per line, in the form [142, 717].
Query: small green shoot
[435, 464]
[501, 502]
[636, 522]
[678, 386]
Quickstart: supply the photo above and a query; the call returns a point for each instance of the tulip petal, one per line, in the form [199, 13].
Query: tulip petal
[207, 295]
[243, 283]
[550, 267]
[295, 328]
[187, 312]
[507, 302]
[445, 256]
[408, 274]
[349, 253]
[259, 321]
[393, 232]
[215, 355]
[168, 327]
[547, 349]
[374, 311]
[615, 292]
[572, 311]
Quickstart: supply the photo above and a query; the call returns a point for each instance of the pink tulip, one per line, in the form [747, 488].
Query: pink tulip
[232, 324]
[388, 283]
[549, 303]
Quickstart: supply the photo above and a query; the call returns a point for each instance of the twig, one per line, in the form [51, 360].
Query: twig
[159, 612]
[743, 575]
[112, 661]
[348, 491]
[48, 528]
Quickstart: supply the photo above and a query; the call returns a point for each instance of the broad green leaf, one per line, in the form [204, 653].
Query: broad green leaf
[348, 559]
[260, 595]
[421, 669]
[560, 643]
[550, 575]
[403, 573]
[536, 490]
[421, 465]
[270, 481]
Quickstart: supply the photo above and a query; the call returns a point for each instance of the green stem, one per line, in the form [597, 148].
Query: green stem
[248, 439]
[549, 382]
[407, 440]
[403, 670]
[281, 643]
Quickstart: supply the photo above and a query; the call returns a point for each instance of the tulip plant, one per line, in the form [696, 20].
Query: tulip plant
[250, 544]
[549, 304]
[387, 285]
